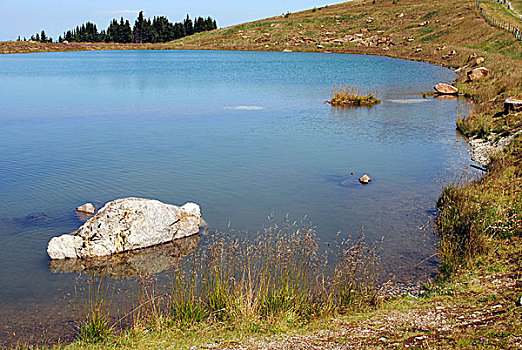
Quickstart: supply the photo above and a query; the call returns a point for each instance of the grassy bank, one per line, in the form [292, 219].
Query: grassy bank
[472, 304]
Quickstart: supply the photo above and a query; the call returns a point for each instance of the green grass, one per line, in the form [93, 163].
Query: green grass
[476, 217]
[95, 327]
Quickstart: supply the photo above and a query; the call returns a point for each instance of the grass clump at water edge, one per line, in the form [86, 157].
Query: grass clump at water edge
[277, 275]
[478, 217]
[95, 326]
[349, 96]
[236, 285]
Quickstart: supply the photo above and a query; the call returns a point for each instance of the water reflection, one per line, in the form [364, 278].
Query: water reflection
[142, 262]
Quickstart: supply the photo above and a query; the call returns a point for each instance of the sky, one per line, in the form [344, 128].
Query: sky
[27, 17]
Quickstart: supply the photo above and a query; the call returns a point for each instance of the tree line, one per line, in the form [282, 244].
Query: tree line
[145, 30]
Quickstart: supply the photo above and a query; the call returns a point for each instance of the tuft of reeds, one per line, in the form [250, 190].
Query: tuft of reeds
[349, 96]
[274, 279]
[95, 327]
[277, 275]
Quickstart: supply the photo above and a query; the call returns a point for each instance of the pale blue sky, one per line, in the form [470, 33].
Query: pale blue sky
[26, 17]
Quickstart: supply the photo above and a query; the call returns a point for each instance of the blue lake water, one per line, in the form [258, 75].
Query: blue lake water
[243, 134]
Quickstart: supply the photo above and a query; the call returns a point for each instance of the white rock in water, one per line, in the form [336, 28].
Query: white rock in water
[127, 224]
[87, 208]
[365, 179]
[64, 246]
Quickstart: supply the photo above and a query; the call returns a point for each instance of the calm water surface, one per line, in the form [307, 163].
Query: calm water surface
[243, 134]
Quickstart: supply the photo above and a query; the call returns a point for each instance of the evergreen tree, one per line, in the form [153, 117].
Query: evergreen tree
[112, 32]
[139, 29]
[159, 29]
[126, 31]
[162, 29]
[179, 30]
[102, 36]
[189, 26]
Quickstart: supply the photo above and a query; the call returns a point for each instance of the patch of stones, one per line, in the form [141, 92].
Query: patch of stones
[481, 149]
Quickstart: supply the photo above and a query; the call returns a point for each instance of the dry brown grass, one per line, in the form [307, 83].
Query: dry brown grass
[349, 96]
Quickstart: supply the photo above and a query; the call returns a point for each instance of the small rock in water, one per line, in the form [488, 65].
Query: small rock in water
[365, 179]
[87, 208]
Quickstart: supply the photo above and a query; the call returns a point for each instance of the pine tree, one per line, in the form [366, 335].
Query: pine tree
[126, 32]
[112, 32]
[138, 30]
[189, 26]
[179, 30]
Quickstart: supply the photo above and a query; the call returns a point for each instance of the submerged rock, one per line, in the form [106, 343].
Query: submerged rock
[127, 224]
[446, 89]
[33, 219]
[141, 262]
[87, 208]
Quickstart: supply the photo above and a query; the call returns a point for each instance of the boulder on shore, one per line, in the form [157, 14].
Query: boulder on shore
[127, 224]
[479, 60]
[478, 73]
[446, 89]
[512, 105]
[87, 208]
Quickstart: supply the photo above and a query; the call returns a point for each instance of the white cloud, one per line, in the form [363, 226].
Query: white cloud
[119, 12]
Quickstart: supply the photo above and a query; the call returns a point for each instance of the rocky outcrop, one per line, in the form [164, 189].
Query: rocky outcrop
[512, 105]
[127, 224]
[87, 208]
[446, 89]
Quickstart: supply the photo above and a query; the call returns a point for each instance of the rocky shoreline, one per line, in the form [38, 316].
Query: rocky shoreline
[483, 149]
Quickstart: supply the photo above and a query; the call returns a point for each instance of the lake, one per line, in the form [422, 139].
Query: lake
[243, 134]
